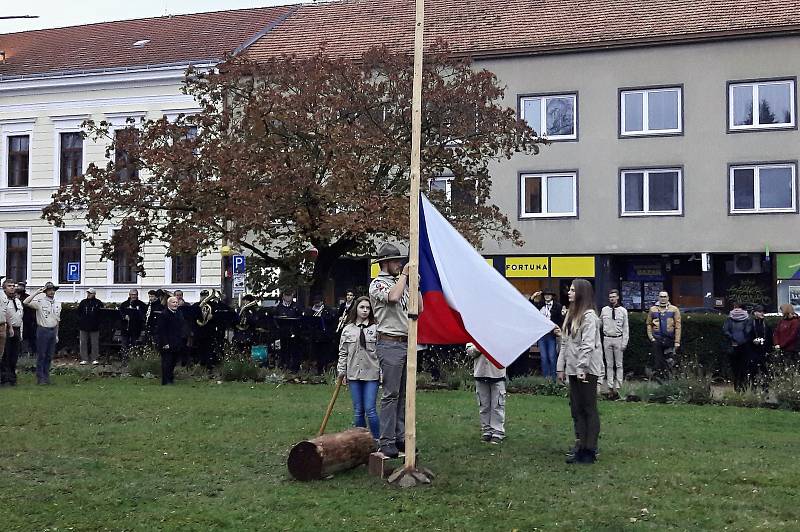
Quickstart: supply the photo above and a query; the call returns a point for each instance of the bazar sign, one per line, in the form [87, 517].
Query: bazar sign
[788, 266]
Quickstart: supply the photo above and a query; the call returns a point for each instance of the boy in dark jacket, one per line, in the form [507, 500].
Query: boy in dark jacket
[759, 348]
[738, 329]
[89, 327]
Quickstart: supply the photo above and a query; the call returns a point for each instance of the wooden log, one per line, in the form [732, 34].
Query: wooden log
[316, 459]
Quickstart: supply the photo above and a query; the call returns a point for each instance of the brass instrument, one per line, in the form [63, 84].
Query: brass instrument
[206, 312]
[242, 325]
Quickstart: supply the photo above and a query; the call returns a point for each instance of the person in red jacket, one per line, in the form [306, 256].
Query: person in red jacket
[787, 334]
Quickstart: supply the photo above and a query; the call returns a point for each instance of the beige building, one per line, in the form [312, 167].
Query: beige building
[50, 82]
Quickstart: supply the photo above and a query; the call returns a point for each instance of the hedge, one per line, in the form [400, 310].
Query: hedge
[702, 343]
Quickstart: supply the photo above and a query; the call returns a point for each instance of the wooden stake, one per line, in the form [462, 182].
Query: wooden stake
[339, 381]
[413, 251]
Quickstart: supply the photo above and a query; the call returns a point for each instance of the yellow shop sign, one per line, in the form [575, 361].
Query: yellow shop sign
[527, 267]
[572, 267]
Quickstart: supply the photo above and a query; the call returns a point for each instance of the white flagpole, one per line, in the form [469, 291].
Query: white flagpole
[413, 252]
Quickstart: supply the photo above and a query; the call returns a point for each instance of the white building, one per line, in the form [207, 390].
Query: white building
[50, 82]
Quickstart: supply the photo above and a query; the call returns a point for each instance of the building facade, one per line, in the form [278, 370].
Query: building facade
[51, 81]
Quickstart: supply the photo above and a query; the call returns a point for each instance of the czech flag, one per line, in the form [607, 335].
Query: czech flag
[467, 300]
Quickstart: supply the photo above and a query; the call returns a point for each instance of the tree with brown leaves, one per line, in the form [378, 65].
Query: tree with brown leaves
[292, 155]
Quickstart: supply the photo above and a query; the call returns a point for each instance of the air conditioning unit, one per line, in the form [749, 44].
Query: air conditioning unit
[747, 263]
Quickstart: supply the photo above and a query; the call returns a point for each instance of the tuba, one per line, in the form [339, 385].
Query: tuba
[242, 325]
[206, 312]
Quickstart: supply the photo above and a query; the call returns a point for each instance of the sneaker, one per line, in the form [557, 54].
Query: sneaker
[95, 362]
[83, 362]
[496, 440]
[486, 437]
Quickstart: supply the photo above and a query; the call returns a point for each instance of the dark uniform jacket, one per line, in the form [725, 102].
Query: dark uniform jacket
[170, 331]
[134, 311]
[89, 314]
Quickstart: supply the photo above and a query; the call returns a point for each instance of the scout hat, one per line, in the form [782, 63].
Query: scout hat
[388, 252]
[49, 286]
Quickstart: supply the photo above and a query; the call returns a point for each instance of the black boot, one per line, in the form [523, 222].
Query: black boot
[586, 456]
[575, 458]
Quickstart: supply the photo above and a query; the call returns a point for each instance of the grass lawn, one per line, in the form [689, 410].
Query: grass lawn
[127, 454]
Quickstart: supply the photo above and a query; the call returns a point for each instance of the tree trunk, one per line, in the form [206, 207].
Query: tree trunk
[323, 267]
[327, 454]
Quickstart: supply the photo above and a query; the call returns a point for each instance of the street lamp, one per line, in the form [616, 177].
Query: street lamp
[227, 273]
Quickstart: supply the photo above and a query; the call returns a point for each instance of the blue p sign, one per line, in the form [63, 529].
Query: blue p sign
[238, 264]
[73, 272]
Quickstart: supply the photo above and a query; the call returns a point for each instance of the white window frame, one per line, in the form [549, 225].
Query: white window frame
[14, 128]
[110, 266]
[544, 176]
[646, 130]
[448, 185]
[543, 113]
[757, 188]
[754, 85]
[57, 254]
[168, 273]
[646, 192]
[4, 251]
[66, 124]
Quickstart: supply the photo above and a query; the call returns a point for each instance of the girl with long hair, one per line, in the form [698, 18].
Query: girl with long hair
[358, 363]
[581, 362]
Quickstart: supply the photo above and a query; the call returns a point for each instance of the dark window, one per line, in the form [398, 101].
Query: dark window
[18, 158]
[69, 250]
[763, 188]
[17, 256]
[125, 269]
[651, 192]
[71, 156]
[184, 269]
[744, 192]
[125, 140]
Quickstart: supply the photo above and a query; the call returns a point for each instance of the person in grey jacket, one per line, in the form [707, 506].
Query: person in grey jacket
[358, 364]
[490, 385]
[581, 361]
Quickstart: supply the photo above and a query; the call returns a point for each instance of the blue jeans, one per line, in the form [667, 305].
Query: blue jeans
[45, 349]
[549, 353]
[365, 395]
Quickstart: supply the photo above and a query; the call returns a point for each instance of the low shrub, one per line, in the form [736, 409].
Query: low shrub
[144, 361]
[237, 370]
[785, 384]
[537, 385]
[749, 398]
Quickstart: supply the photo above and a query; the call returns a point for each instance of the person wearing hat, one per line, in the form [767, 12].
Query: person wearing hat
[89, 327]
[388, 294]
[288, 314]
[14, 314]
[48, 316]
[544, 300]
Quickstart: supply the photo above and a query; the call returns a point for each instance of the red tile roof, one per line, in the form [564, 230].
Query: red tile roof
[487, 27]
[180, 39]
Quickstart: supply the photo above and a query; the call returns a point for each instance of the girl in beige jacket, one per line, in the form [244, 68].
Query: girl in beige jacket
[581, 362]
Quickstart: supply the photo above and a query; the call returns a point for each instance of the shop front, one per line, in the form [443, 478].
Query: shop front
[532, 274]
[787, 273]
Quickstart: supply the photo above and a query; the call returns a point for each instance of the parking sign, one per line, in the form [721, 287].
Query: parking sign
[238, 264]
[73, 272]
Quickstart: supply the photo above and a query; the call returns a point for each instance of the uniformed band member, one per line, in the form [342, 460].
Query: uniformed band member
[132, 311]
[171, 340]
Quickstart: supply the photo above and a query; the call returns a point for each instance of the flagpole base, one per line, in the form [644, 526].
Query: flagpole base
[411, 477]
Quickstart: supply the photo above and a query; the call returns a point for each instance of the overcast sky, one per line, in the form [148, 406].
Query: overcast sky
[57, 13]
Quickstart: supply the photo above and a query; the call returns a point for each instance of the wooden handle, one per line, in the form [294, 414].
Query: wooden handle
[339, 381]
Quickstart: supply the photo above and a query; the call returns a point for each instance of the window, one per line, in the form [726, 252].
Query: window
[442, 185]
[124, 164]
[184, 269]
[17, 256]
[761, 105]
[651, 112]
[554, 117]
[18, 160]
[652, 192]
[763, 188]
[71, 156]
[548, 195]
[69, 250]
[125, 268]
